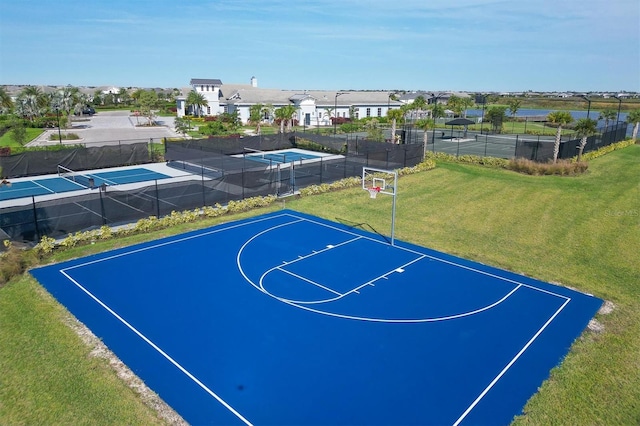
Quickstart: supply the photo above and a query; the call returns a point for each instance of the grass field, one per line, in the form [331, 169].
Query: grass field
[582, 232]
[7, 138]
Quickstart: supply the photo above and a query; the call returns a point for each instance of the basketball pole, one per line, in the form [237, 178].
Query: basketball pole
[393, 213]
[394, 173]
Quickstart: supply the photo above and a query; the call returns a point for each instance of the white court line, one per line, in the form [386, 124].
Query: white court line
[44, 187]
[508, 366]
[458, 265]
[167, 243]
[157, 348]
[310, 282]
[486, 390]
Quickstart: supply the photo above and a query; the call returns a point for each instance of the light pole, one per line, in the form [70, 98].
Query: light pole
[619, 106]
[588, 106]
[57, 108]
[335, 111]
[484, 104]
[433, 136]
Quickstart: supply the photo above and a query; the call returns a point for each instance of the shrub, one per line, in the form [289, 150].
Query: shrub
[605, 150]
[47, 245]
[64, 136]
[12, 263]
[469, 159]
[561, 168]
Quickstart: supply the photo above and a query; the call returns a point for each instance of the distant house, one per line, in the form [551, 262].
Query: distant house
[313, 107]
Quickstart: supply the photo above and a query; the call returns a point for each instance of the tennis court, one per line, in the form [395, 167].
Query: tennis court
[69, 180]
[287, 318]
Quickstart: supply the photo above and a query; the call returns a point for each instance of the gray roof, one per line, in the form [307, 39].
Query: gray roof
[247, 94]
[210, 81]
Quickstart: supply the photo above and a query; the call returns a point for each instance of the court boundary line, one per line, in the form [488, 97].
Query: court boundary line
[508, 366]
[158, 349]
[459, 265]
[298, 219]
[421, 256]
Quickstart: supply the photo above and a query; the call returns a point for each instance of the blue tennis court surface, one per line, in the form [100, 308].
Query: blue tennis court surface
[286, 318]
[54, 185]
[282, 156]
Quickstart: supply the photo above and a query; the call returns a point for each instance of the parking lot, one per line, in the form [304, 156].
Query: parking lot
[109, 128]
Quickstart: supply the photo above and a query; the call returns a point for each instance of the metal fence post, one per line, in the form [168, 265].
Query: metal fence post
[157, 200]
[102, 212]
[35, 217]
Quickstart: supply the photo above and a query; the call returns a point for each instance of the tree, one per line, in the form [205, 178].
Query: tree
[425, 124]
[394, 115]
[466, 104]
[455, 103]
[64, 100]
[31, 103]
[148, 102]
[634, 117]
[607, 114]
[496, 115]
[197, 101]
[560, 118]
[514, 106]
[289, 112]
[18, 132]
[255, 115]
[6, 104]
[123, 96]
[374, 132]
[182, 125]
[280, 117]
[437, 111]
[584, 128]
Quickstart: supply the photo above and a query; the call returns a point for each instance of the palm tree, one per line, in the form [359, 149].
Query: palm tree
[634, 117]
[514, 106]
[197, 101]
[560, 118]
[584, 128]
[395, 115]
[65, 100]
[267, 112]
[255, 115]
[425, 124]
[280, 115]
[33, 102]
[437, 111]
[123, 96]
[288, 112]
[6, 104]
[607, 115]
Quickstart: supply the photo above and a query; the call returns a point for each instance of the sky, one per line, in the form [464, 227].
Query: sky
[432, 45]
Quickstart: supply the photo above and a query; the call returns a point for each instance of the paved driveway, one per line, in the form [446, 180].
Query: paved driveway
[111, 128]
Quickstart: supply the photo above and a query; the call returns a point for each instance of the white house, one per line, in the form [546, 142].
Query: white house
[209, 89]
[313, 107]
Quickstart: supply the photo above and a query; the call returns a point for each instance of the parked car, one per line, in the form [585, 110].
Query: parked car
[87, 110]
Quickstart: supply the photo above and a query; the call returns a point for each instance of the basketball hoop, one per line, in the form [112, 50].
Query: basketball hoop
[373, 192]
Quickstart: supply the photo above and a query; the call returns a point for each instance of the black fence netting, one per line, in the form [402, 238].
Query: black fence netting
[33, 163]
[212, 178]
[542, 151]
[234, 145]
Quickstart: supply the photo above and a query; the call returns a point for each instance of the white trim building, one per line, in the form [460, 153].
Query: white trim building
[313, 107]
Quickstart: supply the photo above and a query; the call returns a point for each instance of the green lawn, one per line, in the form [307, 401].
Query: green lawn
[582, 232]
[7, 138]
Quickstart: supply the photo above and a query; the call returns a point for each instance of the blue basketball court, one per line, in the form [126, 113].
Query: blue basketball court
[75, 182]
[287, 318]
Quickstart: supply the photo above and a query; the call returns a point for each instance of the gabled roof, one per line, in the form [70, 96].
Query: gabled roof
[247, 94]
[209, 81]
